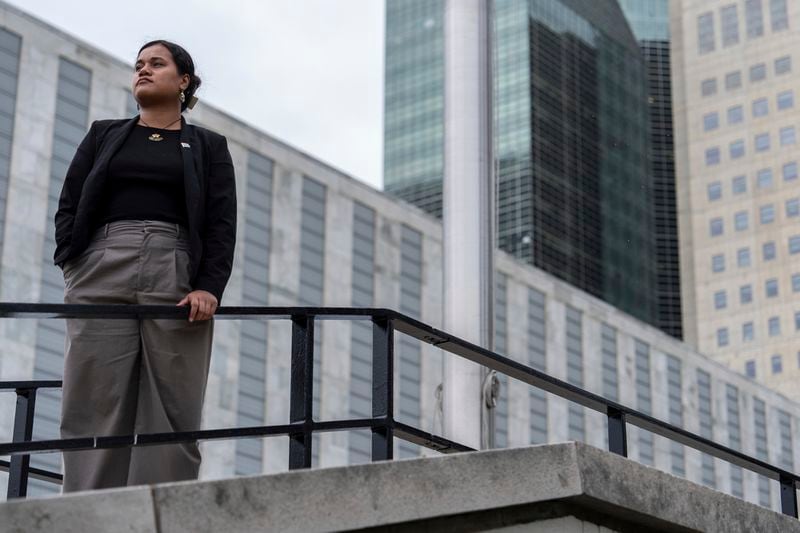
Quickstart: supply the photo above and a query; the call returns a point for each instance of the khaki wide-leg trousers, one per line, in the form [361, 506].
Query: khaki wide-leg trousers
[126, 376]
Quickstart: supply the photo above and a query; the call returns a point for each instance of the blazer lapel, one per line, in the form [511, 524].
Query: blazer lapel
[109, 145]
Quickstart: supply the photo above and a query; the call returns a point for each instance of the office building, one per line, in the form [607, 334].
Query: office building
[573, 175]
[735, 79]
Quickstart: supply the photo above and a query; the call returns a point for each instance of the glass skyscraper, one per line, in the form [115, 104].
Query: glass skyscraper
[649, 20]
[574, 187]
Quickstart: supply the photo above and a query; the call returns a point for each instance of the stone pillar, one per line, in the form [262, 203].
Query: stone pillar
[468, 209]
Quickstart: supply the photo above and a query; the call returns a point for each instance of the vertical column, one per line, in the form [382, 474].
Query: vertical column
[537, 357]
[576, 428]
[251, 394]
[312, 273]
[468, 207]
[644, 400]
[10, 44]
[409, 376]
[500, 437]
[361, 342]
[675, 397]
[69, 128]
[734, 437]
[706, 418]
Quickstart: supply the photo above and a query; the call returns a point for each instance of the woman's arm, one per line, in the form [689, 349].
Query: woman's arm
[219, 239]
[80, 166]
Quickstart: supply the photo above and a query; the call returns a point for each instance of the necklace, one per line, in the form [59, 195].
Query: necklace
[155, 137]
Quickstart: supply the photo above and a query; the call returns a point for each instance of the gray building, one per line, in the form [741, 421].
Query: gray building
[309, 234]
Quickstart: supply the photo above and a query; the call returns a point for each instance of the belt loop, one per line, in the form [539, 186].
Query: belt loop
[106, 228]
[177, 230]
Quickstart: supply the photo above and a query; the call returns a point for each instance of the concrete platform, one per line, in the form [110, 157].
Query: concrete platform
[562, 487]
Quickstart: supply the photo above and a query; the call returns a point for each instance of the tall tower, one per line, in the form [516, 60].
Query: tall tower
[649, 21]
[737, 153]
[574, 187]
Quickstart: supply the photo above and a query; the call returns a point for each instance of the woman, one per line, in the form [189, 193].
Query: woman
[147, 215]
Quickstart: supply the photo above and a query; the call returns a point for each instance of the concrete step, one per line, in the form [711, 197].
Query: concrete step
[560, 487]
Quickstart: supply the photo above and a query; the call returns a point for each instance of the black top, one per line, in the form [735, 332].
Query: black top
[145, 179]
[210, 189]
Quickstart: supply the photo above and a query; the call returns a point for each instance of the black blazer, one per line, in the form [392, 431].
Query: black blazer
[210, 187]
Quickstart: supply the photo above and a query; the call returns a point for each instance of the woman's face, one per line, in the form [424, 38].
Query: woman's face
[155, 77]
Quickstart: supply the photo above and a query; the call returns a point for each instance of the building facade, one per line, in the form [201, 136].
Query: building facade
[309, 234]
[736, 120]
[649, 21]
[573, 186]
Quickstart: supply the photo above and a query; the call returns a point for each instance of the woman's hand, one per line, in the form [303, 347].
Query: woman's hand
[203, 305]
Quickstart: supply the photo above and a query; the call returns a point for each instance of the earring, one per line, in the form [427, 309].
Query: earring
[182, 96]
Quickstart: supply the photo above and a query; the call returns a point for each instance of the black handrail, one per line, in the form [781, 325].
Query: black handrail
[382, 424]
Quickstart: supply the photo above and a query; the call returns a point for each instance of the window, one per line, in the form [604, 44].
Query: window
[750, 369]
[797, 321]
[705, 33]
[729, 21]
[735, 114]
[743, 257]
[720, 300]
[778, 15]
[718, 263]
[708, 87]
[774, 326]
[792, 207]
[764, 178]
[783, 65]
[777, 364]
[769, 250]
[758, 72]
[771, 288]
[760, 107]
[748, 333]
[794, 244]
[790, 171]
[745, 294]
[767, 214]
[714, 191]
[762, 142]
[712, 156]
[736, 149]
[754, 18]
[733, 80]
[722, 337]
[715, 227]
[739, 185]
[786, 100]
[710, 121]
[740, 221]
[795, 282]
[787, 136]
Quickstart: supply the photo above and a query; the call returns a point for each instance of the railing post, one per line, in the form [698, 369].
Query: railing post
[617, 432]
[23, 431]
[788, 497]
[383, 388]
[301, 398]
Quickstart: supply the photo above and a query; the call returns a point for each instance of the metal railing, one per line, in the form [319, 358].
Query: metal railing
[302, 425]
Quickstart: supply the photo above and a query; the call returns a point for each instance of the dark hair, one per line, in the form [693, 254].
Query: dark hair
[184, 63]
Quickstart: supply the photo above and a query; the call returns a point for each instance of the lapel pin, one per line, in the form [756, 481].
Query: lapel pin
[185, 145]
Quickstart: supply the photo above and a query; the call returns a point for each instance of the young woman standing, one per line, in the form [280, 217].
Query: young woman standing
[147, 215]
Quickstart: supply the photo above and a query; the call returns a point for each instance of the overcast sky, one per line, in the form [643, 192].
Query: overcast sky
[309, 72]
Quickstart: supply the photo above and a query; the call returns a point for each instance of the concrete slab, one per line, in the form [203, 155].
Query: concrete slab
[125, 510]
[501, 490]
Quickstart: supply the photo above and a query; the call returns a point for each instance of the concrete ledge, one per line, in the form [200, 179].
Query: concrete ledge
[465, 492]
